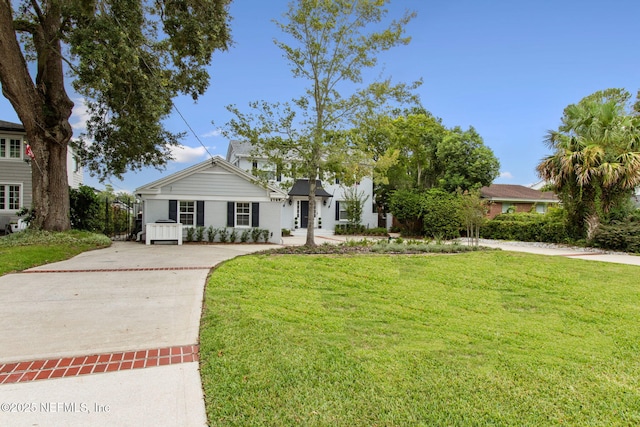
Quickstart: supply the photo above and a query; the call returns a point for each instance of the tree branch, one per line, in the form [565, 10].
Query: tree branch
[24, 26]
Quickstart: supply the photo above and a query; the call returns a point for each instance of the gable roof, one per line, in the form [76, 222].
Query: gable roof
[301, 188]
[154, 187]
[238, 149]
[517, 193]
[9, 126]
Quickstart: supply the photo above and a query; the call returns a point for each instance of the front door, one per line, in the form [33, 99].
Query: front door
[304, 213]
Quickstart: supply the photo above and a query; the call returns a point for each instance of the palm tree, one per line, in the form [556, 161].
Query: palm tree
[596, 160]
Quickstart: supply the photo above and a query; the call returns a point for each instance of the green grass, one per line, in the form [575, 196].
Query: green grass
[27, 249]
[485, 338]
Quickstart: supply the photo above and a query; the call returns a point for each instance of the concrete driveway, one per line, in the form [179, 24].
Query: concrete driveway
[75, 335]
[590, 254]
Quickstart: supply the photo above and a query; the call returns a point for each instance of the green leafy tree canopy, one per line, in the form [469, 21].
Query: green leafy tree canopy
[329, 44]
[595, 163]
[127, 58]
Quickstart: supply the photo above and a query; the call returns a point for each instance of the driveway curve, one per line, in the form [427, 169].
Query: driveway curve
[76, 334]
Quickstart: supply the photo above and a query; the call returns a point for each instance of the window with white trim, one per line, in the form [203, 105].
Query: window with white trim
[508, 207]
[10, 197]
[343, 211]
[10, 148]
[187, 212]
[243, 214]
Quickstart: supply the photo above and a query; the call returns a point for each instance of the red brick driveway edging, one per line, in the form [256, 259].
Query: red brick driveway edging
[97, 363]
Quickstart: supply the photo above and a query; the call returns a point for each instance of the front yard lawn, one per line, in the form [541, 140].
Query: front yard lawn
[29, 248]
[485, 338]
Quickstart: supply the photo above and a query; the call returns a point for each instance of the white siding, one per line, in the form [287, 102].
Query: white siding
[16, 172]
[270, 219]
[214, 183]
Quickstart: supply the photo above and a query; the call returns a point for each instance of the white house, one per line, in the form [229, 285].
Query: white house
[15, 172]
[330, 195]
[213, 193]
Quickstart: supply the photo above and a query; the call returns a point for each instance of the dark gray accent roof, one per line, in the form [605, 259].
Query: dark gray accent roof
[11, 126]
[301, 188]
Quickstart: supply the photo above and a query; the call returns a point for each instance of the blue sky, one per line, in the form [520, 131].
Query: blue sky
[507, 68]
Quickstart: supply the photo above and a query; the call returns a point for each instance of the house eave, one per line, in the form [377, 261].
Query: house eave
[505, 199]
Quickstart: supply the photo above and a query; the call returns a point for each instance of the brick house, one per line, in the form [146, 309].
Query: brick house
[504, 198]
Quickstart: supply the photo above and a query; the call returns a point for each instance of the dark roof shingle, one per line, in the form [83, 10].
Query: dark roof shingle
[516, 192]
[11, 126]
[301, 188]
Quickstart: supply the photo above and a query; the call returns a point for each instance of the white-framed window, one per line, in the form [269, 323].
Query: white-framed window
[243, 214]
[10, 197]
[10, 148]
[187, 212]
[508, 207]
[541, 208]
[343, 211]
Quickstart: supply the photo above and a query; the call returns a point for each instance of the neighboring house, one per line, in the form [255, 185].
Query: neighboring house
[213, 193]
[330, 195]
[635, 197]
[506, 198]
[15, 172]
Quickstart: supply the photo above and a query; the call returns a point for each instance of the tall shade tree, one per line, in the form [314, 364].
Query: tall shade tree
[127, 58]
[595, 164]
[416, 151]
[330, 44]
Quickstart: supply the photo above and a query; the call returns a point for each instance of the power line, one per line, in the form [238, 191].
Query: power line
[191, 129]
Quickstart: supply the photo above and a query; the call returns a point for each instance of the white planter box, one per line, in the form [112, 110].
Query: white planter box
[163, 231]
[21, 225]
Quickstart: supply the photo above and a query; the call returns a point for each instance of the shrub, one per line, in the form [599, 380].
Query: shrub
[348, 229]
[406, 207]
[233, 236]
[265, 235]
[84, 209]
[255, 234]
[286, 232]
[526, 227]
[360, 230]
[377, 231]
[211, 234]
[199, 234]
[618, 236]
[190, 232]
[224, 235]
[244, 237]
[441, 214]
[432, 212]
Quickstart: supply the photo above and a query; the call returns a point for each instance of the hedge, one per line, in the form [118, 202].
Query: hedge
[618, 236]
[526, 227]
[360, 230]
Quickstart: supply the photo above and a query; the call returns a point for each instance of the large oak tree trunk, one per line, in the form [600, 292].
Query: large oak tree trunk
[50, 185]
[43, 108]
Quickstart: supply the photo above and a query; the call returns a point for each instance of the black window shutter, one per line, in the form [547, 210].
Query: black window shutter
[200, 213]
[255, 214]
[173, 210]
[337, 210]
[231, 214]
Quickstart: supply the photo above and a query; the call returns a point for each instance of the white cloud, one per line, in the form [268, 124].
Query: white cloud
[184, 154]
[213, 133]
[79, 116]
[506, 175]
